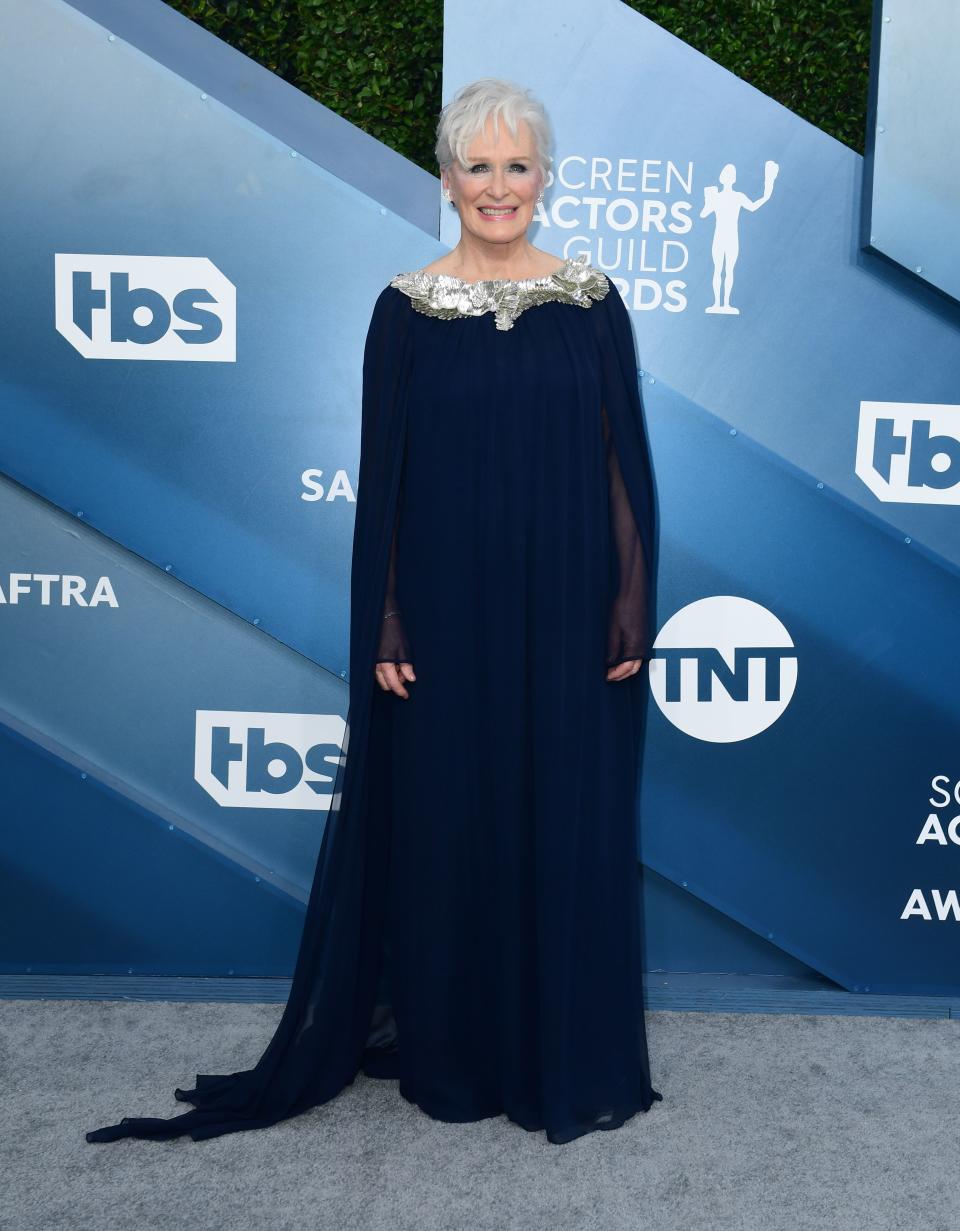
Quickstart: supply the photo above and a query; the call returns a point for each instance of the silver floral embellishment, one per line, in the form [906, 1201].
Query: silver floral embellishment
[446, 296]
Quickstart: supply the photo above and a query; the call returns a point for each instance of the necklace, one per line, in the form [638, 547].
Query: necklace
[447, 296]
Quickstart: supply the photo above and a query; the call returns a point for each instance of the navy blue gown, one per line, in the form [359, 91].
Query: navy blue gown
[473, 928]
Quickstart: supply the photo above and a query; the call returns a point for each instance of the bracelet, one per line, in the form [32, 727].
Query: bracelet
[390, 613]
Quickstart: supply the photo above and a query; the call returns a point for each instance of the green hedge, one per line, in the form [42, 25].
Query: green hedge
[378, 63]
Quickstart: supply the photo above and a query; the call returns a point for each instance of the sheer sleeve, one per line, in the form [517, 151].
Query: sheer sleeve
[394, 645]
[628, 625]
[377, 632]
[632, 493]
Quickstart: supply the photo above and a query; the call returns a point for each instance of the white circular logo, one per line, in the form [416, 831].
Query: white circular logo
[724, 669]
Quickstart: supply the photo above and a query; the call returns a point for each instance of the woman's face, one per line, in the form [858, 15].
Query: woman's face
[501, 176]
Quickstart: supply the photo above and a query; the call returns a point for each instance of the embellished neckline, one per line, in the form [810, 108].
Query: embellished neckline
[447, 296]
[452, 278]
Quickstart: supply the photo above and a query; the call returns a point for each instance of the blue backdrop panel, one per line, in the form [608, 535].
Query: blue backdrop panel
[913, 140]
[95, 884]
[806, 832]
[270, 104]
[236, 475]
[125, 690]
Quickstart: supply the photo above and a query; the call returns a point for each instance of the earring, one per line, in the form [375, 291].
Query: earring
[446, 193]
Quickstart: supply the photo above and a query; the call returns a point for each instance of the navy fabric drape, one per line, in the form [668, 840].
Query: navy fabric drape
[473, 925]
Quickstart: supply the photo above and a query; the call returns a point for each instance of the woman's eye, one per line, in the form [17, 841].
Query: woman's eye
[482, 166]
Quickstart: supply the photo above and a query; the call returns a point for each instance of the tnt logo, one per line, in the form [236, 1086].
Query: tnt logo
[910, 451]
[250, 760]
[146, 307]
[724, 669]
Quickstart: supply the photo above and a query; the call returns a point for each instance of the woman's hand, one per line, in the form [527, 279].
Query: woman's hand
[391, 680]
[624, 670]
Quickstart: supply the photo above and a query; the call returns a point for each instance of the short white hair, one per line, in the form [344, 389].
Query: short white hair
[466, 115]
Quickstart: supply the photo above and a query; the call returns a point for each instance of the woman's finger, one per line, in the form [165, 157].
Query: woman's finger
[625, 669]
[394, 683]
[389, 678]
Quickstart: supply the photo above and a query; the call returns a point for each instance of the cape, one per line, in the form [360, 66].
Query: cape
[330, 1029]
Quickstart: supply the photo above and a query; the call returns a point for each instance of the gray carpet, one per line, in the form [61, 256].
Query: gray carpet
[768, 1122]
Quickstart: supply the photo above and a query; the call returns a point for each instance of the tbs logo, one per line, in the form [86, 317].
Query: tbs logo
[250, 760]
[146, 307]
[724, 669]
[910, 451]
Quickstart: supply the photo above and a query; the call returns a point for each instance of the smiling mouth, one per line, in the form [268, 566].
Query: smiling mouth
[490, 211]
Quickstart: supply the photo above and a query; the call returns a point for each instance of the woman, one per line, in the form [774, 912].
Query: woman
[473, 926]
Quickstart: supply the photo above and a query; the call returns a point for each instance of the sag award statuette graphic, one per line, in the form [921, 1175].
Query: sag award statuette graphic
[725, 204]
